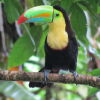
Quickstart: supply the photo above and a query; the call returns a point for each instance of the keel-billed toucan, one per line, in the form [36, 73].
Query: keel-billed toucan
[61, 47]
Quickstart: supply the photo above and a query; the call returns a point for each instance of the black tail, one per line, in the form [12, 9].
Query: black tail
[40, 84]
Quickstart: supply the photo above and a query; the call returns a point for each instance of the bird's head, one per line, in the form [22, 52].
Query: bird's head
[40, 14]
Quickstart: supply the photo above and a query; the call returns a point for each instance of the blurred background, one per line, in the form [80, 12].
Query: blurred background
[22, 48]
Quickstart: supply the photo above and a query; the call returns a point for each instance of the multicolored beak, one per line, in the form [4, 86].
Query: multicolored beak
[39, 14]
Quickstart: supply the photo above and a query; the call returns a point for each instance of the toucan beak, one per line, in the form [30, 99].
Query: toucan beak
[39, 14]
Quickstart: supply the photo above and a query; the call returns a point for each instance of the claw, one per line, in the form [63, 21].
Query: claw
[75, 75]
[46, 72]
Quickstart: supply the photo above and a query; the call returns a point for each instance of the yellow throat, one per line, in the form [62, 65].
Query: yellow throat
[57, 37]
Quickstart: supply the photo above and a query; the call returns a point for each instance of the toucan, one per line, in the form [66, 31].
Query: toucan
[61, 46]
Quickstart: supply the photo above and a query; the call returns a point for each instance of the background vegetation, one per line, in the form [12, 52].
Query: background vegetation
[21, 48]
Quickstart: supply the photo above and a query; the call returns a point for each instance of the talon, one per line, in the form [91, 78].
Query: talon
[75, 75]
[46, 72]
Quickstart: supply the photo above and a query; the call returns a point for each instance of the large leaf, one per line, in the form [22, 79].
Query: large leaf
[37, 33]
[90, 5]
[11, 11]
[12, 89]
[19, 7]
[78, 21]
[66, 4]
[93, 5]
[40, 51]
[21, 51]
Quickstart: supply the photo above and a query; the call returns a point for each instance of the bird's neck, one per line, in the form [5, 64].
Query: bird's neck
[57, 37]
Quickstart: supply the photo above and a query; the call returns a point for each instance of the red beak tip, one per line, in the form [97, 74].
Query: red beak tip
[18, 22]
[22, 19]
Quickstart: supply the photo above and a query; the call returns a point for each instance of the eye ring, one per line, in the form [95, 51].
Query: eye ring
[57, 14]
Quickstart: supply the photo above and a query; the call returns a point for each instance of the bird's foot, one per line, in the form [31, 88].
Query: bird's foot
[75, 74]
[43, 83]
[46, 72]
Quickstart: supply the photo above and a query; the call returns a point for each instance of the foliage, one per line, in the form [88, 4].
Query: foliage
[84, 16]
[95, 72]
[14, 90]
[20, 48]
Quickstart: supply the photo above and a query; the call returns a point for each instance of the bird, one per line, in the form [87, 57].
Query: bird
[61, 46]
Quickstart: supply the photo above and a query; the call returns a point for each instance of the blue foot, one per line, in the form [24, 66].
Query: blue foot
[75, 74]
[46, 72]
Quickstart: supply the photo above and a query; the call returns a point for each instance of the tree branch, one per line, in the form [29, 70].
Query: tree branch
[39, 77]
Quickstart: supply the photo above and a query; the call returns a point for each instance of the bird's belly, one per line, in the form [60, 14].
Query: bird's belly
[57, 59]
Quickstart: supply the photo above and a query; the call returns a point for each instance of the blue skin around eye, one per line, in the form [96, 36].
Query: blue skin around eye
[39, 19]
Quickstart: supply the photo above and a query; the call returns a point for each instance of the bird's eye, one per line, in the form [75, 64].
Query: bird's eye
[57, 14]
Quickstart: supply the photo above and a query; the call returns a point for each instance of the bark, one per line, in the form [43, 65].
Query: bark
[59, 78]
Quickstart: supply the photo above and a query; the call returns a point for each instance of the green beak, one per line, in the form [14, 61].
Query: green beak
[39, 14]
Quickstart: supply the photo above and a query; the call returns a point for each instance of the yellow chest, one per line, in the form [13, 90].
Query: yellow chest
[57, 40]
[57, 36]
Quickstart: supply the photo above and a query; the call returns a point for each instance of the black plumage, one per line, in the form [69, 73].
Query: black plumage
[62, 59]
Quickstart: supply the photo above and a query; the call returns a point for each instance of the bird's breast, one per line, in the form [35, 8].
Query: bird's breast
[57, 41]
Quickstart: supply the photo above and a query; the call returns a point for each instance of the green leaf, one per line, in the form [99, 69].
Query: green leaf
[38, 2]
[40, 51]
[19, 7]
[93, 5]
[92, 91]
[92, 8]
[66, 4]
[21, 51]
[78, 21]
[89, 5]
[37, 33]
[10, 10]
[95, 72]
